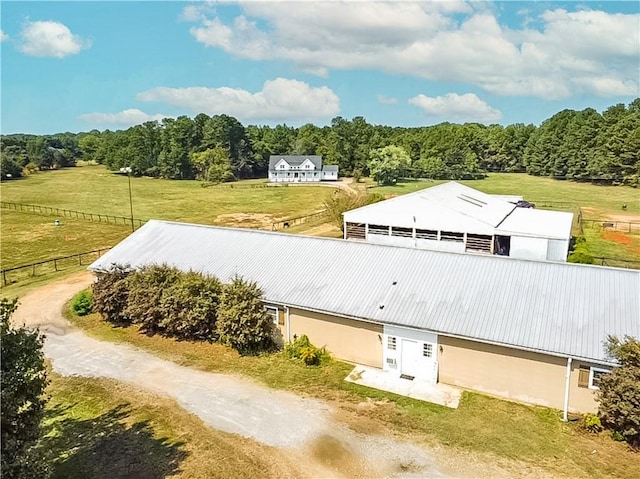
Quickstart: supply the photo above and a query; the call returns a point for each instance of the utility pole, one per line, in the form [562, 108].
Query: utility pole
[128, 171]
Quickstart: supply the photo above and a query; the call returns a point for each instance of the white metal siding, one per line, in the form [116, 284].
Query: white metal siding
[557, 250]
[528, 248]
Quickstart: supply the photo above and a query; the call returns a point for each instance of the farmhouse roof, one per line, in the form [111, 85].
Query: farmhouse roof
[294, 160]
[330, 168]
[558, 308]
[455, 207]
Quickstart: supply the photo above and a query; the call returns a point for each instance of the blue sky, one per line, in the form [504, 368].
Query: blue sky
[76, 66]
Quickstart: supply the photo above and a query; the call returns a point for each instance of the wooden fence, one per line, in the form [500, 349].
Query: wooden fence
[12, 275]
[280, 225]
[614, 225]
[616, 262]
[81, 215]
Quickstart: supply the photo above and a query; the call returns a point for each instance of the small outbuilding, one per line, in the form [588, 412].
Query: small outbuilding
[530, 331]
[453, 217]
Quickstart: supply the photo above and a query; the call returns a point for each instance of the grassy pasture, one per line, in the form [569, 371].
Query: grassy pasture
[27, 238]
[523, 436]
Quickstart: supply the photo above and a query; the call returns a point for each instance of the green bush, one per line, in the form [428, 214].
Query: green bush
[243, 322]
[619, 391]
[580, 253]
[190, 307]
[592, 423]
[301, 349]
[111, 294]
[82, 303]
[146, 288]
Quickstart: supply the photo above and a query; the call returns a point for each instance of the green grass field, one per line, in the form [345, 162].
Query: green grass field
[481, 425]
[27, 237]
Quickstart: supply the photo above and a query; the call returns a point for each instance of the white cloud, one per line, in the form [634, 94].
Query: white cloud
[569, 53]
[128, 117]
[3, 36]
[454, 107]
[50, 39]
[386, 100]
[279, 99]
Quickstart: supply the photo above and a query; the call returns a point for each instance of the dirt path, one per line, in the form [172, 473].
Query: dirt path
[229, 403]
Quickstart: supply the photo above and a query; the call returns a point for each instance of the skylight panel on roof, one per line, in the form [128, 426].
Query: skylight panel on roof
[473, 201]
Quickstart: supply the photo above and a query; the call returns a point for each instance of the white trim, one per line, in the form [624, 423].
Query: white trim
[567, 387]
[596, 370]
[270, 308]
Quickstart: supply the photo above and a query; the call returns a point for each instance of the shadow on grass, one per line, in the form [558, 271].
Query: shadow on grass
[107, 446]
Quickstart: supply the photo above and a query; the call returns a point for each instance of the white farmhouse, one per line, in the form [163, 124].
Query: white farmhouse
[295, 169]
[453, 217]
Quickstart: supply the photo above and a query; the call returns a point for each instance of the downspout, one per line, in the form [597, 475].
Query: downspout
[567, 383]
[286, 308]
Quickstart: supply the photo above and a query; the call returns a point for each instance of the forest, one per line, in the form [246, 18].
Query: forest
[575, 145]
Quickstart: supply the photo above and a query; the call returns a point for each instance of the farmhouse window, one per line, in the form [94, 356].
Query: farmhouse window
[391, 343]
[427, 350]
[401, 232]
[426, 234]
[378, 230]
[355, 231]
[451, 236]
[583, 377]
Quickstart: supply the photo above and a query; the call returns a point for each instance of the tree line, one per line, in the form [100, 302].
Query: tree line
[577, 145]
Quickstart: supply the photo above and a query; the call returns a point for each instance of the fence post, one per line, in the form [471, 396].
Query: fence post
[4, 277]
[33, 270]
[80, 259]
[55, 264]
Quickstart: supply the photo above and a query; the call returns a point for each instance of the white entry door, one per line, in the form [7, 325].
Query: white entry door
[410, 357]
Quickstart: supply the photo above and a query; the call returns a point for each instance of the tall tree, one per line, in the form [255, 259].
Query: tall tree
[23, 383]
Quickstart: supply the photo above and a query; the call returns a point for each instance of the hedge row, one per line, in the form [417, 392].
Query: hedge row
[189, 306]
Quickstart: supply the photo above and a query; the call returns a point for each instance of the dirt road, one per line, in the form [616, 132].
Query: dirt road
[226, 402]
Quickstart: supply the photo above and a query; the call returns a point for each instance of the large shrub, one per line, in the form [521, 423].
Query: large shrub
[23, 383]
[243, 322]
[111, 294]
[146, 287]
[190, 307]
[619, 391]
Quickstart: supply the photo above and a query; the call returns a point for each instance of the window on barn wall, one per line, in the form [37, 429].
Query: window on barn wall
[480, 243]
[391, 343]
[273, 312]
[590, 377]
[427, 234]
[378, 230]
[402, 232]
[451, 236]
[355, 231]
[427, 350]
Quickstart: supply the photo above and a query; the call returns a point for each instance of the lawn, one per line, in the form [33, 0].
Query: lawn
[103, 428]
[94, 189]
[27, 237]
[481, 425]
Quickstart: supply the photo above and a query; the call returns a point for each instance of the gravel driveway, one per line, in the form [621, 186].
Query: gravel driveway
[224, 402]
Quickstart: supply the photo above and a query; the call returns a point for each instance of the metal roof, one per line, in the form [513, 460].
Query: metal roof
[294, 160]
[330, 168]
[556, 308]
[458, 208]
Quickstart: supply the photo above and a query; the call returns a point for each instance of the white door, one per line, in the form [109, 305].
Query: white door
[410, 357]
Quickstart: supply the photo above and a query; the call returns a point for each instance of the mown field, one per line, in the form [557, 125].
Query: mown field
[513, 435]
